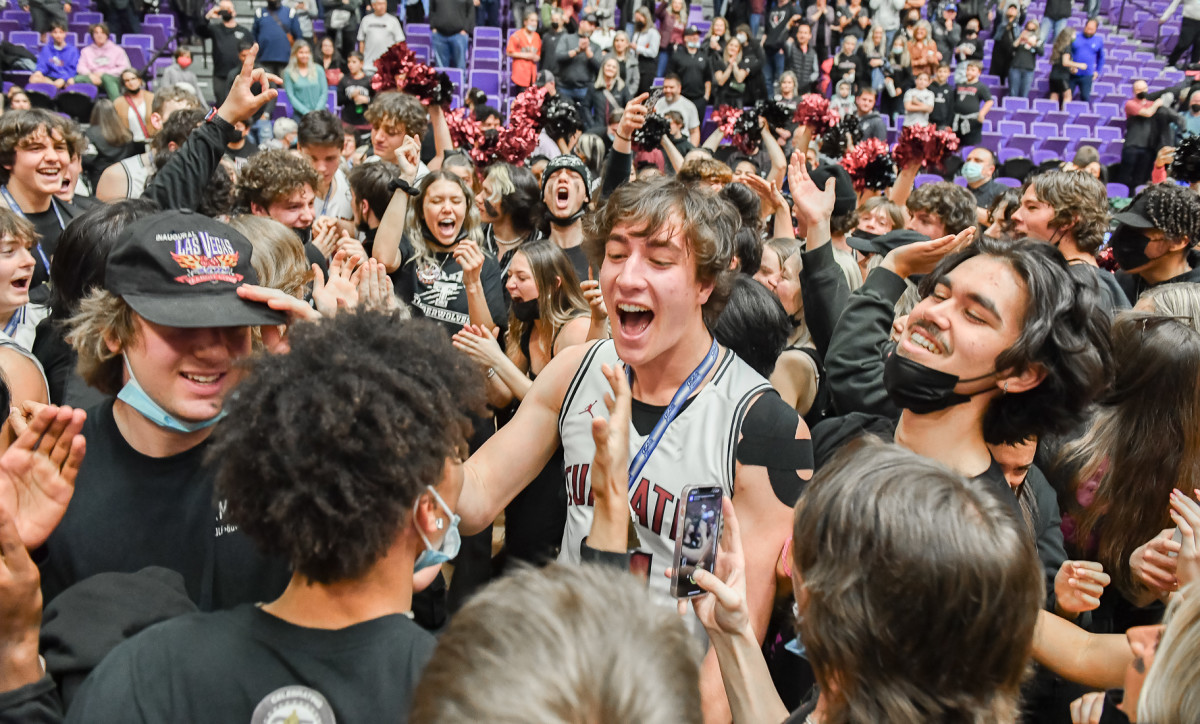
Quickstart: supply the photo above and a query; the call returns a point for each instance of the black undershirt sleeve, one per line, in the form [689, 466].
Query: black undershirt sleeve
[769, 440]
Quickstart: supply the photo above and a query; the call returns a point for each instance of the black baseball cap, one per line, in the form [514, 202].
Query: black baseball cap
[1135, 215]
[884, 243]
[845, 199]
[691, 30]
[590, 18]
[182, 269]
[571, 162]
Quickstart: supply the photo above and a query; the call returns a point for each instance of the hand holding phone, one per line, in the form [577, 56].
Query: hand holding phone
[698, 530]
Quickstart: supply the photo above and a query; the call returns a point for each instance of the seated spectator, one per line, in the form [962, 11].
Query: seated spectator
[58, 61]
[18, 100]
[177, 73]
[341, 636]
[109, 140]
[101, 62]
[355, 93]
[632, 659]
[304, 81]
[283, 134]
[525, 48]
[135, 104]
[672, 101]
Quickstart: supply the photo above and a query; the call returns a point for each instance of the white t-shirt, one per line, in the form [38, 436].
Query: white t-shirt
[918, 96]
[377, 33]
[691, 118]
[337, 202]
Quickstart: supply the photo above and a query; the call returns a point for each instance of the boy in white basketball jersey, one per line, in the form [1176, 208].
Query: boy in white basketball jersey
[663, 252]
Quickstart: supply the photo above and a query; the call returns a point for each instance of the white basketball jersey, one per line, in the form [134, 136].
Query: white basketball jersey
[697, 449]
[137, 173]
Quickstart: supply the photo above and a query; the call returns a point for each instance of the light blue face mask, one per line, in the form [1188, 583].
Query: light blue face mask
[451, 542]
[972, 171]
[133, 395]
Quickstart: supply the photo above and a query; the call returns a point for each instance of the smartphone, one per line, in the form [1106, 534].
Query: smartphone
[656, 95]
[698, 529]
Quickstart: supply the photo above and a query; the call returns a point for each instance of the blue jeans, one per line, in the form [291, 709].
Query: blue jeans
[1081, 86]
[772, 69]
[1092, 7]
[1019, 82]
[450, 51]
[488, 13]
[756, 21]
[1049, 29]
[579, 95]
[663, 57]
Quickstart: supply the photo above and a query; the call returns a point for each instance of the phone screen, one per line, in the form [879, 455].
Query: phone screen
[696, 538]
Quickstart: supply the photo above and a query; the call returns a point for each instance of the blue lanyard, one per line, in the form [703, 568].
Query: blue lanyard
[17, 318]
[681, 396]
[16, 209]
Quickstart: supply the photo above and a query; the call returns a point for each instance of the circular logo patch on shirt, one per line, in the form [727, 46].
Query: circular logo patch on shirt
[293, 705]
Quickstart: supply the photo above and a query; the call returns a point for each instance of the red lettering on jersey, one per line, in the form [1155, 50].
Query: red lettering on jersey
[639, 501]
[576, 479]
[660, 504]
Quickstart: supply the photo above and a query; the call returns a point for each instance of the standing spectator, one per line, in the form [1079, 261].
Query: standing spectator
[1025, 55]
[972, 101]
[886, 14]
[304, 19]
[1191, 119]
[274, 29]
[58, 62]
[377, 32]
[341, 22]
[869, 122]
[1062, 66]
[802, 60]
[898, 77]
[946, 32]
[627, 61]
[1189, 31]
[1006, 40]
[943, 94]
[853, 19]
[918, 102]
[305, 81]
[729, 77]
[718, 35]
[134, 104]
[101, 62]
[578, 64]
[44, 13]
[673, 101]
[822, 19]
[525, 48]
[647, 44]
[122, 16]
[693, 69]
[453, 21]
[971, 48]
[550, 37]
[487, 12]
[672, 19]
[923, 50]
[331, 61]
[848, 63]
[227, 35]
[780, 19]
[1137, 153]
[1087, 49]
[1058, 12]
[873, 50]
[355, 92]
[756, 61]
[177, 73]
[609, 93]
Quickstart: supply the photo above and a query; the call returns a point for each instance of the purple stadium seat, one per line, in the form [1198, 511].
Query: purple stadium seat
[10, 26]
[1108, 133]
[1043, 156]
[491, 56]
[1026, 117]
[160, 65]
[892, 136]
[1044, 105]
[1011, 128]
[167, 21]
[456, 77]
[86, 89]
[487, 81]
[81, 31]
[1012, 183]
[418, 29]
[83, 16]
[1076, 131]
[488, 34]
[1091, 120]
[138, 40]
[283, 106]
[137, 55]
[1058, 118]
[20, 16]
[927, 178]
[331, 102]
[1120, 191]
[47, 89]
[1075, 108]
[990, 141]
[1103, 88]
[1043, 130]
[1008, 154]
[28, 38]
[1022, 142]
[1108, 110]
[1013, 103]
[959, 180]
[160, 36]
[421, 51]
[1057, 144]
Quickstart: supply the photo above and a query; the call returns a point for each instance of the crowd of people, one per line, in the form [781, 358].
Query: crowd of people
[319, 417]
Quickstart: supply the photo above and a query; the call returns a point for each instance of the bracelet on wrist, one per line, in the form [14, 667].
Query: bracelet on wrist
[628, 138]
[402, 185]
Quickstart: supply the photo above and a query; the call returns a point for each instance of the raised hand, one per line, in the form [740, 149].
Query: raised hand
[480, 344]
[375, 290]
[726, 611]
[275, 336]
[470, 257]
[325, 235]
[241, 103]
[38, 471]
[340, 291]
[1078, 585]
[922, 256]
[813, 204]
[1153, 563]
[610, 466]
[1186, 514]
[408, 157]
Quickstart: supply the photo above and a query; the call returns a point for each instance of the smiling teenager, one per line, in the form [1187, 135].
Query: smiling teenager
[663, 251]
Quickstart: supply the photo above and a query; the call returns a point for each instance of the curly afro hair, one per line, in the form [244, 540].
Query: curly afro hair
[327, 448]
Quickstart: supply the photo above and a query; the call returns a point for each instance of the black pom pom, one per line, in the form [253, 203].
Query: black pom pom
[560, 118]
[1186, 166]
[841, 138]
[650, 135]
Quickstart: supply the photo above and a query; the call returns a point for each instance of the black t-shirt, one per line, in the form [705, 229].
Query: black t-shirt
[434, 288]
[354, 113]
[130, 511]
[225, 46]
[987, 193]
[578, 260]
[942, 95]
[776, 33]
[969, 98]
[693, 69]
[246, 665]
[47, 225]
[248, 149]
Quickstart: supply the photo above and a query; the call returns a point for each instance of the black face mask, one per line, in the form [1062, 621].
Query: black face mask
[639, 25]
[526, 311]
[272, 4]
[1195, 107]
[1141, 96]
[305, 234]
[225, 15]
[920, 389]
[1129, 247]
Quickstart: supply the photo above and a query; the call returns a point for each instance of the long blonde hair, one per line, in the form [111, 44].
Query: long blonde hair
[1171, 694]
[293, 69]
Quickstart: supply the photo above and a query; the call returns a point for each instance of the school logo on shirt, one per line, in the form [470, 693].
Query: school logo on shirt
[293, 705]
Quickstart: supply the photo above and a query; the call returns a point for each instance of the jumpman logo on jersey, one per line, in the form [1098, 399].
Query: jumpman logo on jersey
[588, 409]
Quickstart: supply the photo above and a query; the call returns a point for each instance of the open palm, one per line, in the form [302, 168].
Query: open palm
[38, 471]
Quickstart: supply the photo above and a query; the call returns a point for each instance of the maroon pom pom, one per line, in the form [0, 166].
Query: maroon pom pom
[464, 129]
[870, 165]
[392, 67]
[813, 111]
[399, 69]
[724, 117]
[1106, 260]
[924, 144]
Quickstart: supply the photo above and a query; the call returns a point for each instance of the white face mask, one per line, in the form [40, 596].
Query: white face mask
[742, 38]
